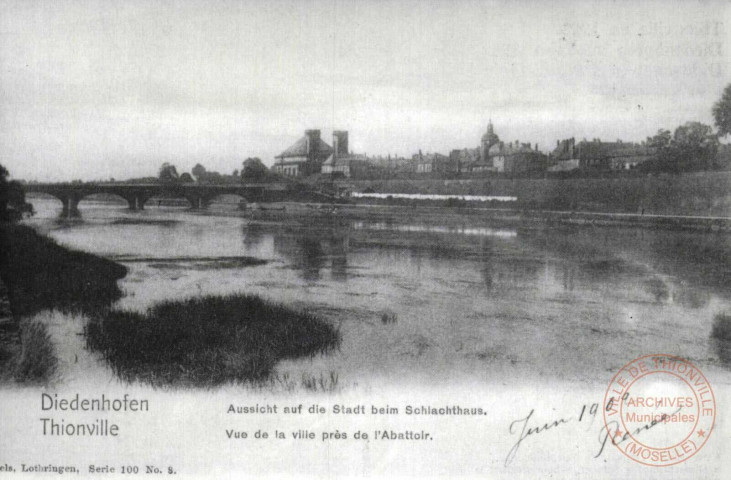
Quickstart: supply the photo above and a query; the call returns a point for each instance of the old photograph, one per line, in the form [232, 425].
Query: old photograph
[372, 239]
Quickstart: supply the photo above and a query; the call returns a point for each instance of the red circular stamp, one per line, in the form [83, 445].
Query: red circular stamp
[659, 410]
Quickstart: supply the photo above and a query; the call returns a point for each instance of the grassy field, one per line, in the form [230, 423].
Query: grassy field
[206, 341]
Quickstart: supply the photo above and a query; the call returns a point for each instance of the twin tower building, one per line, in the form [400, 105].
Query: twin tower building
[311, 154]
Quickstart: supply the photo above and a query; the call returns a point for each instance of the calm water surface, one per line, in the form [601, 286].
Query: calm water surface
[472, 302]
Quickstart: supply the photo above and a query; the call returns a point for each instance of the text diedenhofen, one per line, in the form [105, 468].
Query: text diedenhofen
[98, 427]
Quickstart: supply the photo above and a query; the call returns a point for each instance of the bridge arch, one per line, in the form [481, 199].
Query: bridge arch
[91, 196]
[58, 200]
[228, 199]
[167, 199]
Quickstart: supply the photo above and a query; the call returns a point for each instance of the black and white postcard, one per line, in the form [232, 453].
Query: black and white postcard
[365, 239]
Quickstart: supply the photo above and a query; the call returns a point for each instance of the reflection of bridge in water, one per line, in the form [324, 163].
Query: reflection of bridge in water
[199, 196]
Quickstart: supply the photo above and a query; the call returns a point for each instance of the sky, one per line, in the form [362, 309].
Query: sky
[112, 89]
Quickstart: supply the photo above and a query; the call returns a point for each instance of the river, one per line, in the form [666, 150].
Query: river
[432, 303]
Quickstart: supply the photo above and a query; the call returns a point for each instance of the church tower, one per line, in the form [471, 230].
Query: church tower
[488, 140]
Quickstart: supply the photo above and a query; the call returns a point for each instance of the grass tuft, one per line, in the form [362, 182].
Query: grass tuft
[388, 317]
[206, 341]
[322, 383]
[37, 361]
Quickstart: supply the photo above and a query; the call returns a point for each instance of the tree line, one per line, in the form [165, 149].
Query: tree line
[252, 170]
[694, 146]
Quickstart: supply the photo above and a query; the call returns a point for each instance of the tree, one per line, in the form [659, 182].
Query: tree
[694, 147]
[168, 173]
[12, 198]
[199, 171]
[722, 112]
[660, 140]
[186, 178]
[254, 170]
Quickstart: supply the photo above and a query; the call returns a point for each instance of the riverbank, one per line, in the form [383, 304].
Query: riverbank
[38, 274]
[199, 341]
[43, 275]
[690, 194]
[475, 214]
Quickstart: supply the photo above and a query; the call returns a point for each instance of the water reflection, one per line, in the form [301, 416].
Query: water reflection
[515, 272]
[338, 248]
[389, 225]
[571, 262]
[254, 236]
[690, 297]
[568, 274]
[487, 265]
[311, 251]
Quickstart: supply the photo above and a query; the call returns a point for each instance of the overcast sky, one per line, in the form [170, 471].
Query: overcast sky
[99, 89]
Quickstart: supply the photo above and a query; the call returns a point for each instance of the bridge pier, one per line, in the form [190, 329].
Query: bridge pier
[70, 206]
[198, 202]
[136, 202]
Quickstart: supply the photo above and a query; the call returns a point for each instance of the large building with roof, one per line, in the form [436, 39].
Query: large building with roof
[304, 157]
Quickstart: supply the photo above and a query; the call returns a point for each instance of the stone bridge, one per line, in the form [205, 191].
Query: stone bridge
[199, 196]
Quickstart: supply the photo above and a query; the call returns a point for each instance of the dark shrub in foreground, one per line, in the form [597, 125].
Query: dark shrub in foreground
[206, 341]
[41, 274]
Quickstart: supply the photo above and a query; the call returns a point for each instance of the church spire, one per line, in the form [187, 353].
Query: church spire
[489, 138]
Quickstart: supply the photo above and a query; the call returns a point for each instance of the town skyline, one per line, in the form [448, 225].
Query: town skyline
[96, 92]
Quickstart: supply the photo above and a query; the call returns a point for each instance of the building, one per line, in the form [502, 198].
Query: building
[304, 157]
[391, 163]
[494, 156]
[517, 159]
[341, 162]
[430, 163]
[598, 155]
[464, 159]
[627, 156]
[489, 139]
[563, 158]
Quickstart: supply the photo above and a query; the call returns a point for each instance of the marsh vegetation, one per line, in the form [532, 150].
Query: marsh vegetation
[206, 341]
